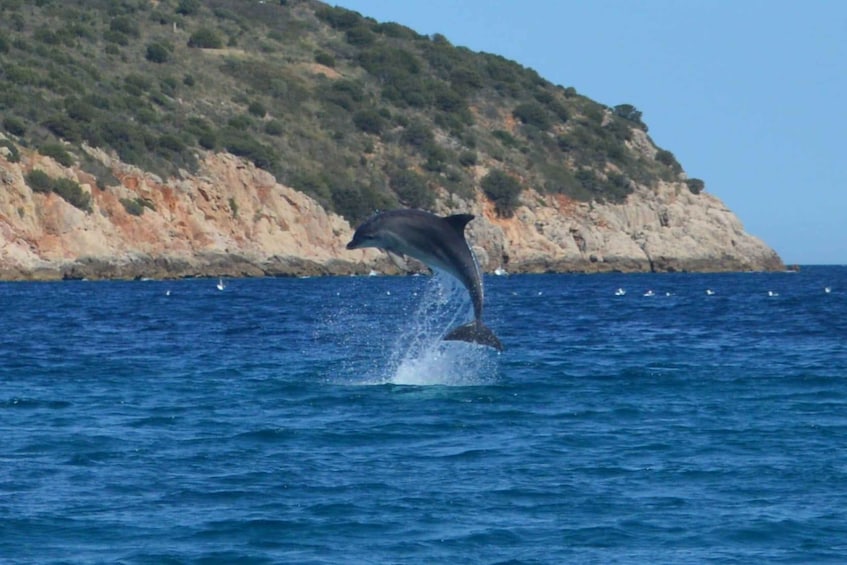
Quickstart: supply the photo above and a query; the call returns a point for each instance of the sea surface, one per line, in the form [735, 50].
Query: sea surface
[323, 421]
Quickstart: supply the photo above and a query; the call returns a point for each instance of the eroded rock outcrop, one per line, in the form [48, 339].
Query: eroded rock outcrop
[232, 219]
[666, 228]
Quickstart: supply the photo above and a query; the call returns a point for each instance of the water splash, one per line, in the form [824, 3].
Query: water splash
[419, 356]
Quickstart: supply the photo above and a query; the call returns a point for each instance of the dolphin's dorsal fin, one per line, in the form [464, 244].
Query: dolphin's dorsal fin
[459, 221]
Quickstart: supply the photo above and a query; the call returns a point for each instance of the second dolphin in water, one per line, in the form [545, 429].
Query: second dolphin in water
[439, 243]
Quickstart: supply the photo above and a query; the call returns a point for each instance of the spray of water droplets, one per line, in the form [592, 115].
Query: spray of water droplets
[416, 354]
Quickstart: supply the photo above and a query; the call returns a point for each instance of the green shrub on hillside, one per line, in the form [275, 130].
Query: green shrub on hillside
[169, 86]
[668, 159]
[630, 113]
[132, 206]
[188, 7]
[436, 158]
[73, 193]
[63, 126]
[360, 36]
[339, 18]
[325, 59]
[125, 25]
[533, 114]
[21, 75]
[450, 101]
[14, 155]
[130, 141]
[266, 78]
[505, 137]
[171, 143]
[243, 145]
[46, 35]
[68, 189]
[14, 125]
[39, 181]
[241, 122]
[104, 177]
[205, 38]
[136, 206]
[57, 152]
[616, 188]
[395, 30]
[468, 158]
[137, 83]
[80, 110]
[350, 202]
[696, 186]
[274, 127]
[116, 37]
[369, 121]
[412, 189]
[157, 53]
[389, 63]
[589, 181]
[417, 134]
[559, 179]
[348, 94]
[257, 109]
[203, 131]
[503, 190]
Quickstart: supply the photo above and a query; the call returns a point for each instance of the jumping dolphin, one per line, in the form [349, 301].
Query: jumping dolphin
[438, 242]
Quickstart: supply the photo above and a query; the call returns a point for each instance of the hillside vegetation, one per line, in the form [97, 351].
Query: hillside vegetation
[359, 114]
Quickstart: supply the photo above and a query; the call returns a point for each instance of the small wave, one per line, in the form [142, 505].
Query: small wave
[34, 403]
[153, 421]
[85, 459]
[263, 435]
[466, 454]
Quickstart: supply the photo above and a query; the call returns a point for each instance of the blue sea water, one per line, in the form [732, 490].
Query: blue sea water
[322, 421]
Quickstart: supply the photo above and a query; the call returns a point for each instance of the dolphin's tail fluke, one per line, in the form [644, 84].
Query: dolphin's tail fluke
[475, 332]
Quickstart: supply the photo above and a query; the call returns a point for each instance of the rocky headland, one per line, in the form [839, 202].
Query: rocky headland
[181, 139]
[232, 219]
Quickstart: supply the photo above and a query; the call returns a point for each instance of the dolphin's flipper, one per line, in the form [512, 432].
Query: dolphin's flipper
[475, 332]
[398, 260]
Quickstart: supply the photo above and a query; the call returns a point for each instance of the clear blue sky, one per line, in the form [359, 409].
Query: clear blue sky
[750, 95]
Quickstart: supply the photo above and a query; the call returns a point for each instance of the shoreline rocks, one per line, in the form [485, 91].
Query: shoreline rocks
[234, 220]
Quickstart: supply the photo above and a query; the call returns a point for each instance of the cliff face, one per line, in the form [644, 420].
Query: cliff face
[664, 229]
[232, 219]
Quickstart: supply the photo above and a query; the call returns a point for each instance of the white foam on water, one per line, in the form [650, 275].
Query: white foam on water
[420, 357]
[452, 364]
